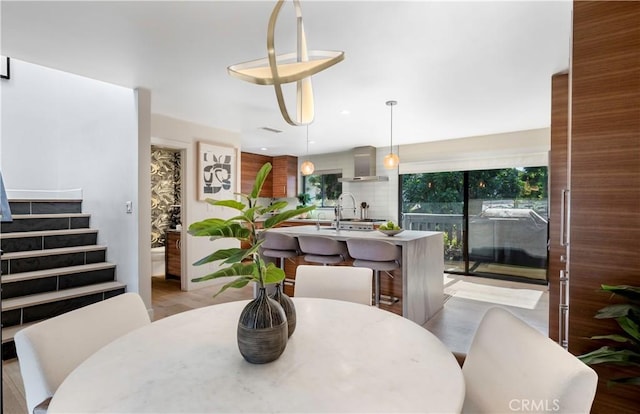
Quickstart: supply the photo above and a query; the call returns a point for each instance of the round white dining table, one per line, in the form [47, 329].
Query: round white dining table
[342, 358]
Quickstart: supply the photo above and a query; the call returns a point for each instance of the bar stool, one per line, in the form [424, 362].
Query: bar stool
[377, 255]
[323, 250]
[279, 246]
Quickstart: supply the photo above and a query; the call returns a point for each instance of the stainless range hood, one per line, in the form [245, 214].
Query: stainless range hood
[364, 166]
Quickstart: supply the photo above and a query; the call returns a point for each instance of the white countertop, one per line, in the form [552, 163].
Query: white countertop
[312, 230]
[343, 357]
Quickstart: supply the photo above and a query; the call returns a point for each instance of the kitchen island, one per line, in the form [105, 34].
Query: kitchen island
[422, 268]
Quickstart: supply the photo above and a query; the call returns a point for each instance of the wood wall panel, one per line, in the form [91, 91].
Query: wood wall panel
[605, 175]
[557, 182]
[250, 165]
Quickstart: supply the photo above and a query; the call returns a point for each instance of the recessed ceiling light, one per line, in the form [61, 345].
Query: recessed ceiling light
[345, 112]
[263, 148]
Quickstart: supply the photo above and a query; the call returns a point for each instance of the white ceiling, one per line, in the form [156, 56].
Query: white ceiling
[457, 69]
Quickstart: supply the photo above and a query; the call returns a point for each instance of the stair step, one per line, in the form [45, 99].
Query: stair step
[51, 252]
[60, 271]
[43, 206]
[45, 233]
[49, 297]
[39, 222]
[47, 239]
[10, 332]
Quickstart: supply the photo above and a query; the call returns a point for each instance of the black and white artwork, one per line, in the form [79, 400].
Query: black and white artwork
[216, 171]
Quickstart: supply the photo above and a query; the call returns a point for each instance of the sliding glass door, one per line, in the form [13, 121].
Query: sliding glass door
[494, 221]
[435, 202]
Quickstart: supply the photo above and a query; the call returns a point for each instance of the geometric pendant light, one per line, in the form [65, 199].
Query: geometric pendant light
[391, 160]
[298, 67]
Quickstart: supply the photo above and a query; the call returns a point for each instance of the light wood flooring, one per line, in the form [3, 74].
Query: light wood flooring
[455, 324]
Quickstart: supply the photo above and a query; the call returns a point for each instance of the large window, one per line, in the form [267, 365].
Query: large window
[494, 221]
[323, 187]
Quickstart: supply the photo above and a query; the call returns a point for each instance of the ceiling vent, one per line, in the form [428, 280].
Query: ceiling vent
[275, 131]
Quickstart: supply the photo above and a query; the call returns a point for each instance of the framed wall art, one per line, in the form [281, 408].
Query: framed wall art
[216, 171]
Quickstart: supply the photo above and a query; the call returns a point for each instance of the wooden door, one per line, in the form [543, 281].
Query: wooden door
[605, 176]
[557, 188]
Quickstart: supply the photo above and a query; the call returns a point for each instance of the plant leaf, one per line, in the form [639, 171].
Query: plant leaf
[626, 380]
[227, 229]
[616, 311]
[611, 355]
[613, 337]
[227, 203]
[237, 269]
[204, 224]
[260, 177]
[629, 326]
[273, 274]
[631, 292]
[285, 215]
[222, 254]
[278, 205]
[237, 283]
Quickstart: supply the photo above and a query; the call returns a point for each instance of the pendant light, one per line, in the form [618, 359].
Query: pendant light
[391, 160]
[297, 67]
[307, 166]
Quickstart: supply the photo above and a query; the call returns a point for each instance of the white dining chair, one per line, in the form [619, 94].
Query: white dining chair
[351, 284]
[49, 350]
[512, 367]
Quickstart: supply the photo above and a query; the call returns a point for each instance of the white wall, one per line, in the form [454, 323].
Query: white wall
[513, 149]
[174, 133]
[381, 196]
[528, 148]
[61, 131]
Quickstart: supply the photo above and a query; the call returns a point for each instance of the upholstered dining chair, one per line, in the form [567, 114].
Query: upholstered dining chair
[49, 350]
[351, 284]
[513, 367]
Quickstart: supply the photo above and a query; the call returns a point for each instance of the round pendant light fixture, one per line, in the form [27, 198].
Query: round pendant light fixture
[391, 160]
[307, 166]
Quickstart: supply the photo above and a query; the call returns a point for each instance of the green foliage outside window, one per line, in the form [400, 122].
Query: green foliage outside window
[323, 189]
[443, 192]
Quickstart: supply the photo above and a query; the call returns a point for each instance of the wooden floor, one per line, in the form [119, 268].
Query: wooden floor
[455, 324]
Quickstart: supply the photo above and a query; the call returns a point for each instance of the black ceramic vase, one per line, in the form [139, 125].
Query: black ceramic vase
[262, 330]
[288, 306]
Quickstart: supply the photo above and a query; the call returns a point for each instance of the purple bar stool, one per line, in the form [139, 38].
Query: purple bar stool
[280, 246]
[377, 255]
[323, 250]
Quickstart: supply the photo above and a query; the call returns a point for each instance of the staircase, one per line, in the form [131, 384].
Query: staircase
[50, 265]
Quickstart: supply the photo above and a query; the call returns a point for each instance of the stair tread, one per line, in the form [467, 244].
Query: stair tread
[46, 233]
[37, 274]
[11, 331]
[40, 298]
[51, 215]
[51, 252]
[45, 200]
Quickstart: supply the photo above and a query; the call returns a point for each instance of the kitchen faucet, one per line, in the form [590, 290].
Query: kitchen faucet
[339, 207]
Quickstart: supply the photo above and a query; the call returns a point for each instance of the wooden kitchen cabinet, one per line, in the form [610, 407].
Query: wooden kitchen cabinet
[285, 176]
[173, 265]
[249, 167]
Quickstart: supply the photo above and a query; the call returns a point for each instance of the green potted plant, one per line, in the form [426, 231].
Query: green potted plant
[303, 200]
[626, 351]
[262, 328]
